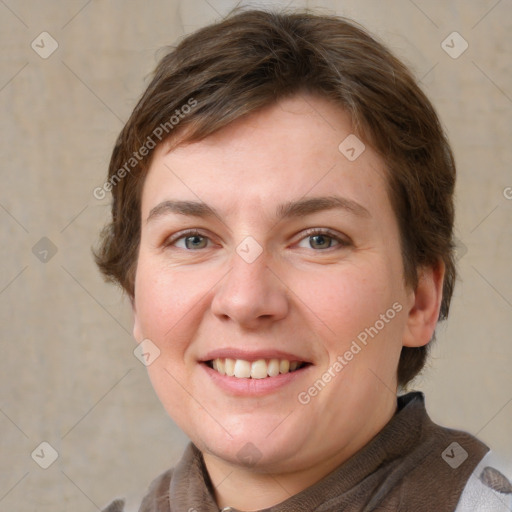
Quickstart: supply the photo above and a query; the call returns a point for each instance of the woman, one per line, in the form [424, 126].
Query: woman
[282, 222]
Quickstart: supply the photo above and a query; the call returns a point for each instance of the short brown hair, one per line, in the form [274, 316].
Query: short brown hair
[254, 58]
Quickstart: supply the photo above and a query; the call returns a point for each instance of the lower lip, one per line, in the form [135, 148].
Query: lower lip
[253, 387]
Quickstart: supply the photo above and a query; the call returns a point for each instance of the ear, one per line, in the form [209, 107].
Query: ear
[424, 313]
[137, 330]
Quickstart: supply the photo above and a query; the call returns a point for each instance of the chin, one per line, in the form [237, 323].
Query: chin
[255, 444]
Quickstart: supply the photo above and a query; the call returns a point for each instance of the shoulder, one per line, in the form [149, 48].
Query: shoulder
[489, 488]
[156, 499]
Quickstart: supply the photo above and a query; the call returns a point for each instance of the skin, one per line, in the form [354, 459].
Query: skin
[306, 295]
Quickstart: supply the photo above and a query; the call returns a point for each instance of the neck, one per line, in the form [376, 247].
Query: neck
[261, 489]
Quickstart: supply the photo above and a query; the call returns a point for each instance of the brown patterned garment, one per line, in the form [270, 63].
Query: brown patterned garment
[412, 465]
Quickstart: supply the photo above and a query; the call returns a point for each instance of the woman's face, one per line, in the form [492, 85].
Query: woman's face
[264, 247]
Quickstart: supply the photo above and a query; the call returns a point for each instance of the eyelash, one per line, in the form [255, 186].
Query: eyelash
[341, 242]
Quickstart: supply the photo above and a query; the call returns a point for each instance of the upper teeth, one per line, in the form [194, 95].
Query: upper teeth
[256, 369]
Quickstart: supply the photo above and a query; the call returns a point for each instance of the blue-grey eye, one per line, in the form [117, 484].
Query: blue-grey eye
[319, 241]
[195, 242]
[191, 241]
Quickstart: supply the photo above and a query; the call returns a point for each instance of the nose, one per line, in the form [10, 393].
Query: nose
[251, 294]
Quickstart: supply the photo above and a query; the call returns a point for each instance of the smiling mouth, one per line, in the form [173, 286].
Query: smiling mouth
[260, 369]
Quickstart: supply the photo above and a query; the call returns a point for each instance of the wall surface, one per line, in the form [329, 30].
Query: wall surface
[67, 372]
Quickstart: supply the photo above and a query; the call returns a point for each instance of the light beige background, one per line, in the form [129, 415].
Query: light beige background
[67, 371]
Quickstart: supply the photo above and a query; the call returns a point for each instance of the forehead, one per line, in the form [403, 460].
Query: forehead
[298, 147]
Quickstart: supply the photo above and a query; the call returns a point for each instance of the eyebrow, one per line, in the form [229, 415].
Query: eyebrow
[299, 208]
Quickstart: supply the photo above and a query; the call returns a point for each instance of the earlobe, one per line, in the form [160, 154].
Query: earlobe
[424, 312]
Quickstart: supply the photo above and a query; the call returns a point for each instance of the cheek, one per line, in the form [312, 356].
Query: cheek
[347, 302]
[163, 299]
[167, 304]
[342, 297]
